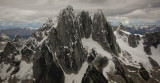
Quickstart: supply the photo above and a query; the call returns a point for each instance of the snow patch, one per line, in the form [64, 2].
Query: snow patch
[25, 71]
[90, 44]
[18, 57]
[76, 78]
[126, 32]
[3, 70]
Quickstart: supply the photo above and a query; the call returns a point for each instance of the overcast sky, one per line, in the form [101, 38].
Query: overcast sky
[35, 12]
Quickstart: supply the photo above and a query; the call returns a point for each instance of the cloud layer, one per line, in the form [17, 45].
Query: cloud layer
[21, 12]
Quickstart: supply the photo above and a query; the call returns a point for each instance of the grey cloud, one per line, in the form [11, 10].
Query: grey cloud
[38, 10]
[93, 1]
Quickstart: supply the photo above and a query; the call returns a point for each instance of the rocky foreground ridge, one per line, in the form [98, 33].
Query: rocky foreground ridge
[81, 49]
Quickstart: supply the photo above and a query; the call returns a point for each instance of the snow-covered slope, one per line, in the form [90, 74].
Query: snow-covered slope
[136, 55]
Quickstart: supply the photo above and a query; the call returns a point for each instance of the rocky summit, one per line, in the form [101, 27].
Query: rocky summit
[80, 49]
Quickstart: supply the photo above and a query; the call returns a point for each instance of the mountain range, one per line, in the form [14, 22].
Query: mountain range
[142, 29]
[26, 32]
[22, 32]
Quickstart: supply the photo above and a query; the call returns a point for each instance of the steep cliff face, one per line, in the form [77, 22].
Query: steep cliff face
[151, 40]
[67, 46]
[103, 34]
[78, 50]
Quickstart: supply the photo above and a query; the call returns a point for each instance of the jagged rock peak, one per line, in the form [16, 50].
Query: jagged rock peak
[50, 23]
[99, 12]
[69, 7]
[17, 37]
[99, 16]
[84, 23]
[121, 27]
[68, 11]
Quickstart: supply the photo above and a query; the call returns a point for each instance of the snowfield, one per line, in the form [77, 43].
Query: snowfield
[76, 78]
[90, 44]
[137, 54]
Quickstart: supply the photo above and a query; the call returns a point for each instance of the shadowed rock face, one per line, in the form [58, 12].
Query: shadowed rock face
[151, 39]
[65, 27]
[99, 33]
[46, 69]
[153, 62]
[85, 24]
[67, 46]
[147, 50]
[144, 74]
[120, 70]
[133, 40]
[93, 76]
[92, 56]
[103, 33]
[10, 49]
[26, 54]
